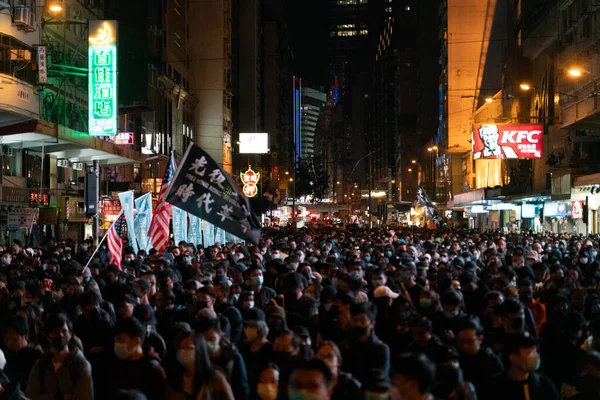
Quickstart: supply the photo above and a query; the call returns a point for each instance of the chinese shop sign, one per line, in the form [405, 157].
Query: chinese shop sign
[102, 78]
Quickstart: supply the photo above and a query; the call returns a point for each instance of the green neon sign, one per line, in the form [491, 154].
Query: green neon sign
[103, 108]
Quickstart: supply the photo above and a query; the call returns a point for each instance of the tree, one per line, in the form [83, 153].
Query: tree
[311, 179]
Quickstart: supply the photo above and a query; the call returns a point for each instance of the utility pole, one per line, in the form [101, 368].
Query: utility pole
[294, 188]
[370, 188]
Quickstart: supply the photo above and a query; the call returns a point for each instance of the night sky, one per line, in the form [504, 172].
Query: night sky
[308, 36]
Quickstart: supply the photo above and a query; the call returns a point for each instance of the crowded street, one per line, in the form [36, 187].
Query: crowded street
[324, 312]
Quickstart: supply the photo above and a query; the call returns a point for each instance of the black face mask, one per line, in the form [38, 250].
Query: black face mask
[201, 304]
[189, 298]
[359, 331]
[59, 343]
[281, 358]
[517, 323]
[526, 298]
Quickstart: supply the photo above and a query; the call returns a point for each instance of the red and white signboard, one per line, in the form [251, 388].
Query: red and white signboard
[507, 141]
[121, 138]
[577, 212]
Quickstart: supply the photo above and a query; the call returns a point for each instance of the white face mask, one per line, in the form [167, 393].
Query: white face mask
[267, 391]
[122, 351]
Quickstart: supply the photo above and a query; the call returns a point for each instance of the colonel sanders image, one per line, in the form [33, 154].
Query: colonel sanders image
[491, 148]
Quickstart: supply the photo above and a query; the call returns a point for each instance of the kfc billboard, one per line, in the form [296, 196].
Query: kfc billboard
[577, 209]
[507, 141]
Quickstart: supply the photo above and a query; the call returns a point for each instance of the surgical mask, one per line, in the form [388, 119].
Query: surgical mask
[404, 276]
[212, 347]
[236, 297]
[302, 395]
[368, 259]
[186, 357]
[122, 352]
[451, 314]
[256, 281]
[86, 279]
[4, 260]
[476, 258]
[357, 275]
[403, 316]
[334, 281]
[378, 282]
[267, 391]
[248, 305]
[425, 303]
[84, 248]
[388, 254]
[444, 259]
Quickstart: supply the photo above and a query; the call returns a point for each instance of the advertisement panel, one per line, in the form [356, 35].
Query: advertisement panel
[103, 107]
[254, 143]
[577, 212]
[492, 141]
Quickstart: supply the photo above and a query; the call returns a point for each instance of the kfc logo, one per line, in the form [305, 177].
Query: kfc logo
[577, 212]
[507, 141]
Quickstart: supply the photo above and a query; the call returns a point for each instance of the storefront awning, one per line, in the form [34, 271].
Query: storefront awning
[62, 142]
[587, 180]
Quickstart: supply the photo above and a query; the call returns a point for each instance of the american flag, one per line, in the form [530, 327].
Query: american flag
[159, 228]
[115, 243]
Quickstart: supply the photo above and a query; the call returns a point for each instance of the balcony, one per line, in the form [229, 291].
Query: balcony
[582, 114]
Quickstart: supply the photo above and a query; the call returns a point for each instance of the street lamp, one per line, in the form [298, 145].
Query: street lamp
[56, 6]
[575, 72]
[525, 86]
[430, 149]
[414, 161]
[488, 99]
[287, 172]
[410, 170]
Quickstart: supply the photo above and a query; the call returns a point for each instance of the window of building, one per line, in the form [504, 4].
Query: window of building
[345, 2]
[363, 32]
[388, 9]
[407, 7]
[332, 33]
[346, 26]
[346, 33]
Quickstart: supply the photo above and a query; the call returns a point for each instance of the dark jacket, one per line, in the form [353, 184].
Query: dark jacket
[264, 297]
[347, 388]
[73, 377]
[234, 317]
[501, 387]
[360, 358]
[19, 364]
[231, 362]
[145, 375]
[480, 369]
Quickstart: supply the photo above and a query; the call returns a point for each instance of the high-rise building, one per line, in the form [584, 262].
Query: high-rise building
[313, 102]
[210, 48]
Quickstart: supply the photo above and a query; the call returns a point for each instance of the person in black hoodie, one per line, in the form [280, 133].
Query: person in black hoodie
[225, 355]
[20, 355]
[424, 341]
[344, 385]
[520, 381]
[478, 363]
[363, 351]
[224, 307]
[133, 368]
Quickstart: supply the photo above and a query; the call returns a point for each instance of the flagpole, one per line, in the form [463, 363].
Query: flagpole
[104, 237]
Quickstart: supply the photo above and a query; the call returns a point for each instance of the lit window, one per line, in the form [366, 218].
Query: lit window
[346, 33]
[345, 2]
[407, 7]
[332, 33]
[363, 32]
[388, 9]
[346, 26]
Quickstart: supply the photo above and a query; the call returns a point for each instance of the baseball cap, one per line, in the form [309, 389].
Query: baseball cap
[384, 291]
[532, 254]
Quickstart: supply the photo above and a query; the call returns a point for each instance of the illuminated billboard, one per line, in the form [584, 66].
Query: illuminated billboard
[103, 108]
[254, 143]
[507, 141]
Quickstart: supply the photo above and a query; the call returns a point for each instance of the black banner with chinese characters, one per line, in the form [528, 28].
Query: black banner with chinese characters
[203, 189]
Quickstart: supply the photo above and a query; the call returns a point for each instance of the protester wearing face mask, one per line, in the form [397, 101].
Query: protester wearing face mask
[227, 357]
[521, 381]
[190, 372]
[64, 363]
[406, 277]
[133, 368]
[344, 385]
[538, 309]
[255, 282]
[267, 387]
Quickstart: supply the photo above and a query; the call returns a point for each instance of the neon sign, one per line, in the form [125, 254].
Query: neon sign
[250, 180]
[103, 107]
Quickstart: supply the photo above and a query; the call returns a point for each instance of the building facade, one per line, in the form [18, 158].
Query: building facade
[313, 102]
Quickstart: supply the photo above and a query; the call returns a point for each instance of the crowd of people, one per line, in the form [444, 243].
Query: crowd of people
[317, 313]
